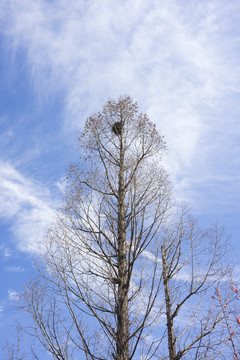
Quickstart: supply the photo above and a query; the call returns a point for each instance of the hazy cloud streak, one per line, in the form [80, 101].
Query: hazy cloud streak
[27, 205]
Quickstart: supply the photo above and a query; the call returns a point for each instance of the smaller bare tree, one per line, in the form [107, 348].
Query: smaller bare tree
[193, 263]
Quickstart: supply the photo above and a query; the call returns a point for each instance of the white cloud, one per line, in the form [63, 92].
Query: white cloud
[61, 185]
[164, 54]
[13, 295]
[28, 206]
[14, 269]
[5, 250]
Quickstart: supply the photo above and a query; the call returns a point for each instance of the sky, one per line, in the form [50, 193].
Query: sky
[60, 61]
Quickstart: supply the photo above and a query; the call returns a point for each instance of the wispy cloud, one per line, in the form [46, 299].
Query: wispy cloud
[5, 250]
[14, 269]
[27, 205]
[13, 295]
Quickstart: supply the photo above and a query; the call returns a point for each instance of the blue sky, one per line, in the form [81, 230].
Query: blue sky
[61, 60]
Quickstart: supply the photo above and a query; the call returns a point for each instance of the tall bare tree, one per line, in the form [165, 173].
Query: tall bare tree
[127, 276]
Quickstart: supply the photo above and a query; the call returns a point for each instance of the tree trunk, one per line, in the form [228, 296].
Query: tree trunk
[170, 328]
[122, 300]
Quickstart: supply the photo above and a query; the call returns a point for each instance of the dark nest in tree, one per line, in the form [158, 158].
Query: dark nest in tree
[117, 128]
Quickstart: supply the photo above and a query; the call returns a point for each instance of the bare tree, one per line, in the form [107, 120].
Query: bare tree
[126, 275]
[192, 265]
